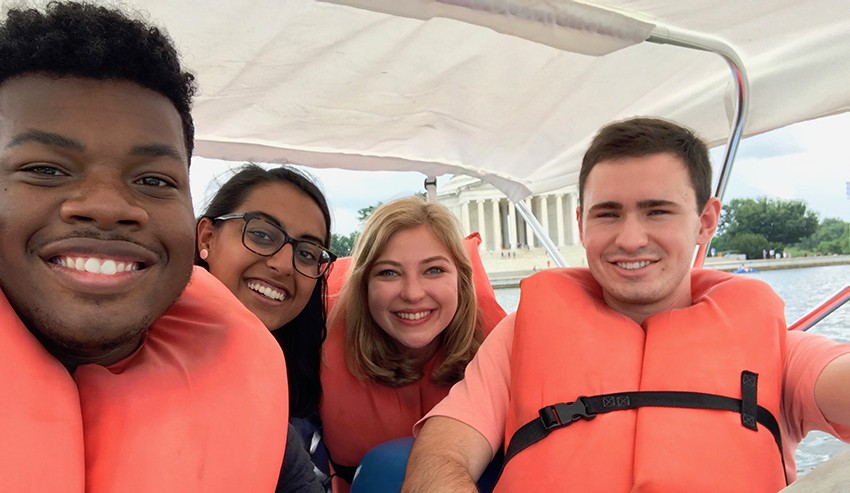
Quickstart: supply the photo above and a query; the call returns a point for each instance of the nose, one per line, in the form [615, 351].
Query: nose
[282, 260]
[412, 288]
[632, 235]
[106, 200]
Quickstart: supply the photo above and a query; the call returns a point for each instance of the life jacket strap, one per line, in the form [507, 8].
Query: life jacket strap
[344, 472]
[564, 414]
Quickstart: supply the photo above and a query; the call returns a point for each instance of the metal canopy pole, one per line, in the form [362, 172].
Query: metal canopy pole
[833, 303]
[541, 235]
[696, 41]
[431, 188]
[687, 39]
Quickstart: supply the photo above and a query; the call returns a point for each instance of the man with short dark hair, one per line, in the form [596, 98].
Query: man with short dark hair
[121, 369]
[638, 374]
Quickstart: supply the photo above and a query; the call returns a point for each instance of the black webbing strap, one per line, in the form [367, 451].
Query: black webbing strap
[565, 413]
[749, 404]
[345, 472]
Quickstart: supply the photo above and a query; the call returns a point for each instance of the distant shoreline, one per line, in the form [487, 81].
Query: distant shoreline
[511, 279]
[777, 264]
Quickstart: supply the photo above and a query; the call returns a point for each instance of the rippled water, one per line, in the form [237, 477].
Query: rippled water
[802, 290]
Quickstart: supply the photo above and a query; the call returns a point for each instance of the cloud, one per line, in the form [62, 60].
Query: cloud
[776, 143]
[815, 172]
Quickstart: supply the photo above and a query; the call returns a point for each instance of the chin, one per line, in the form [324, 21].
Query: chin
[637, 296]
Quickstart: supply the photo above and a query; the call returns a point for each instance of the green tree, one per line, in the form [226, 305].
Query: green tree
[829, 230]
[780, 222]
[342, 245]
[751, 244]
[840, 246]
[721, 243]
[364, 213]
[834, 236]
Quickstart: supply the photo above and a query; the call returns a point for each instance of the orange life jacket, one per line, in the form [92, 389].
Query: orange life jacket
[200, 406]
[357, 415]
[568, 343]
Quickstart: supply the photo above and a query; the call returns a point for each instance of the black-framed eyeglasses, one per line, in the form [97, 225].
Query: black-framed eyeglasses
[263, 237]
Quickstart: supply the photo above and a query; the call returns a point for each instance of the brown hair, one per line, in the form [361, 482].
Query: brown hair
[370, 352]
[638, 137]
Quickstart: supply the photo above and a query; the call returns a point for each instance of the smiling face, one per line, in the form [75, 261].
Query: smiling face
[413, 290]
[95, 212]
[639, 226]
[268, 286]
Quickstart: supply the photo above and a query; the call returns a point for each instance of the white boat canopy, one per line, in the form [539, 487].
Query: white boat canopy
[510, 92]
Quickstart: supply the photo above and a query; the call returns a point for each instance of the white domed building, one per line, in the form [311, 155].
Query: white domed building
[481, 207]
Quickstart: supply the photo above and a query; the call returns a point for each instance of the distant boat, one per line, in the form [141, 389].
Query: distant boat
[745, 270]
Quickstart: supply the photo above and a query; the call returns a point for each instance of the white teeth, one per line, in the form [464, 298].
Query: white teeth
[633, 265]
[267, 291]
[413, 316]
[107, 267]
[92, 265]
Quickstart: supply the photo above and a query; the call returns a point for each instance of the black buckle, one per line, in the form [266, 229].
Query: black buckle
[564, 413]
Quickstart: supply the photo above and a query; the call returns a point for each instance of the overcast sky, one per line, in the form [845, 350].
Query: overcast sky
[808, 161]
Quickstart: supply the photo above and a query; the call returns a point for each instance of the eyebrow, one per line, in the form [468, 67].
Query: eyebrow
[312, 239]
[157, 150]
[273, 220]
[610, 205]
[46, 138]
[643, 204]
[434, 259]
[59, 140]
[651, 203]
[423, 261]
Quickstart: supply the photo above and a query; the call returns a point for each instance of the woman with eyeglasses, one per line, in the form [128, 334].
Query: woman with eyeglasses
[265, 235]
[402, 330]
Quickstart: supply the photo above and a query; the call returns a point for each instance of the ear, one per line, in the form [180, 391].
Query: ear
[580, 225]
[708, 220]
[205, 233]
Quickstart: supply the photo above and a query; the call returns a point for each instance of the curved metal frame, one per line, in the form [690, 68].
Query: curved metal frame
[541, 235]
[823, 310]
[696, 41]
[686, 39]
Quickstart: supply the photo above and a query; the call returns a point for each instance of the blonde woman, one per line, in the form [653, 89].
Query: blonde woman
[402, 331]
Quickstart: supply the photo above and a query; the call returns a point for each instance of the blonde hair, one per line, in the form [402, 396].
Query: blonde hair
[370, 352]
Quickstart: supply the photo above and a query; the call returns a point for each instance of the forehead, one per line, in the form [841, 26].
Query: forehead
[87, 109]
[296, 211]
[634, 179]
[414, 244]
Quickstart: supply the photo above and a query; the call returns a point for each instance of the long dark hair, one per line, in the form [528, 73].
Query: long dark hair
[302, 338]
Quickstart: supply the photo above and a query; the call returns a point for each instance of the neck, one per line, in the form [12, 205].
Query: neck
[641, 311]
[420, 356]
[71, 358]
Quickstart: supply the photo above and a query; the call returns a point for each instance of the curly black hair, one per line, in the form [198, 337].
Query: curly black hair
[86, 40]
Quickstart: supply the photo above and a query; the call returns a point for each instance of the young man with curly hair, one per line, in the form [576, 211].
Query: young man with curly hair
[121, 368]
